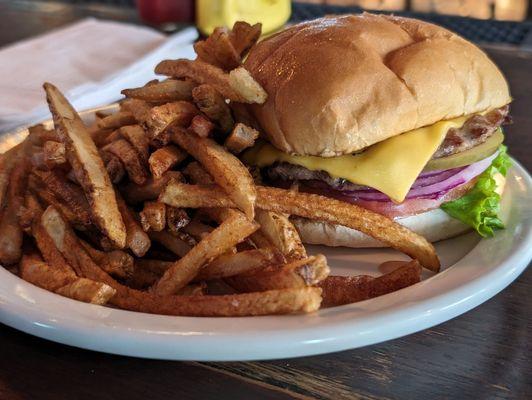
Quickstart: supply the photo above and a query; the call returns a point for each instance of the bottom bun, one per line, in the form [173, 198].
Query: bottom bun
[434, 225]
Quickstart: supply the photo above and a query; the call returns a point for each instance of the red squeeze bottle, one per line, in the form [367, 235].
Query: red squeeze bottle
[163, 11]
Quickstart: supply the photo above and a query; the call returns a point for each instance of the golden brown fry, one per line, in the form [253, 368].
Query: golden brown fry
[244, 36]
[11, 234]
[173, 243]
[271, 302]
[151, 189]
[339, 290]
[201, 126]
[116, 120]
[226, 170]
[114, 135]
[232, 264]
[176, 219]
[88, 291]
[116, 263]
[241, 137]
[296, 274]
[281, 233]
[193, 289]
[7, 163]
[213, 105]
[197, 229]
[42, 135]
[138, 138]
[153, 216]
[315, 207]
[196, 173]
[130, 159]
[137, 240]
[54, 153]
[138, 108]
[232, 231]
[238, 85]
[162, 92]
[165, 158]
[88, 166]
[114, 167]
[218, 50]
[157, 267]
[159, 118]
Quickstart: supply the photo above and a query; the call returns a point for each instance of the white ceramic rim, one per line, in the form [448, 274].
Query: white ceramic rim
[487, 269]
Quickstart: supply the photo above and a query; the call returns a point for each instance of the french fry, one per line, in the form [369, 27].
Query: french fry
[218, 50]
[339, 290]
[42, 134]
[137, 240]
[272, 302]
[238, 263]
[11, 234]
[213, 105]
[138, 138]
[238, 85]
[88, 166]
[241, 137]
[88, 291]
[226, 170]
[157, 267]
[176, 219]
[314, 207]
[111, 137]
[281, 233]
[153, 216]
[122, 149]
[193, 289]
[296, 274]
[116, 120]
[173, 243]
[162, 92]
[140, 109]
[164, 159]
[116, 263]
[197, 229]
[197, 174]
[54, 153]
[228, 234]
[114, 167]
[159, 118]
[243, 36]
[151, 189]
[7, 163]
[201, 126]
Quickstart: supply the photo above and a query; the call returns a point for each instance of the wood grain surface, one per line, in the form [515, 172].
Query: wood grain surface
[483, 354]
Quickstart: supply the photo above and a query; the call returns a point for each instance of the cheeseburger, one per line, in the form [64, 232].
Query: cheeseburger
[393, 114]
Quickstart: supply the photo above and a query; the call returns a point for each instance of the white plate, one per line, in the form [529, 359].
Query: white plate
[474, 271]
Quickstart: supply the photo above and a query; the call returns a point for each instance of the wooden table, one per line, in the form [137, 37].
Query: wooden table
[483, 354]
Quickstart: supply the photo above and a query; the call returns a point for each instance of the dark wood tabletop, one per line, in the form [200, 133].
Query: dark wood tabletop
[483, 354]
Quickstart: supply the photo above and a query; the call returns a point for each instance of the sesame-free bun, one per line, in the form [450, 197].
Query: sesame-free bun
[339, 84]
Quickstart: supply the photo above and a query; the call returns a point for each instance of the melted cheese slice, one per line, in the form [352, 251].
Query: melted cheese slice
[390, 166]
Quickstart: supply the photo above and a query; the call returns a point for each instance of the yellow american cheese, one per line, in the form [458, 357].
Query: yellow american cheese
[390, 166]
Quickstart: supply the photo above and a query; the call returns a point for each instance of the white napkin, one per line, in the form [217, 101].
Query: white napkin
[90, 61]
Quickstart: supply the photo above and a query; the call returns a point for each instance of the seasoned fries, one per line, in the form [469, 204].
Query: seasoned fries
[88, 166]
[150, 210]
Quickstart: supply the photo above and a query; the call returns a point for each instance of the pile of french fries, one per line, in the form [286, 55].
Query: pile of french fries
[149, 209]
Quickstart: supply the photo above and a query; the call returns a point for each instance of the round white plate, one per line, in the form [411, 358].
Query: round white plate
[473, 271]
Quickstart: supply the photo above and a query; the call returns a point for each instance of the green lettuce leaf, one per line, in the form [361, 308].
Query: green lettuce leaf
[480, 207]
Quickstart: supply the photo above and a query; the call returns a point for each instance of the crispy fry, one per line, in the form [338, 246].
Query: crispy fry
[116, 120]
[173, 243]
[218, 50]
[114, 167]
[138, 138]
[11, 234]
[138, 108]
[159, 118]
[238, 85]
[314, 207]
[196, 173]
[111, 137]
[228, 234]
[281, 233]
[54, 153]
[151, 189]
[162, 92]
[227, 170]
[232, 264]
[157, 267]
[339, 290]
[241, 137]
[122, 149]
[197, 229]
[116, 263]
[86, 162]
[165, 158]
[42, 134]
[271, 302]
[193, 289]
[297, 274]
[213, 105]
[136, 239]
[88, 291]
[201, 126]
[7, 163]
[153, 216]
[244, 36]
[176, 219]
